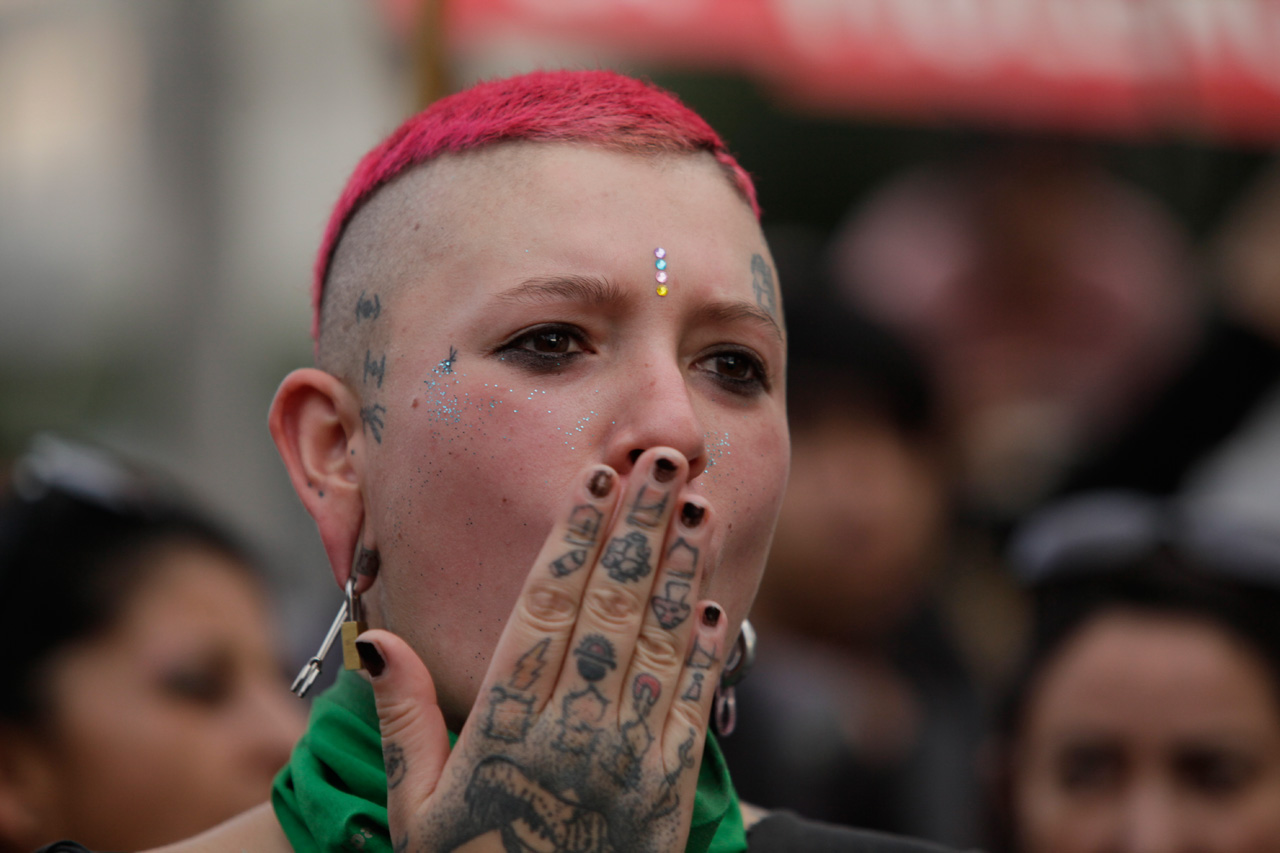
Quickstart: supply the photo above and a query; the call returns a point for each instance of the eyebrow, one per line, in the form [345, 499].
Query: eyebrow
[593, 290]
[579, 288]
[736, 311]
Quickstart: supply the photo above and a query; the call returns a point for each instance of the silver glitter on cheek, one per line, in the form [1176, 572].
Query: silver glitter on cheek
[717, 444]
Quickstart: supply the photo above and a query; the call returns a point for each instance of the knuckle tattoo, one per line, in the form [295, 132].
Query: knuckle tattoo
[615, 605]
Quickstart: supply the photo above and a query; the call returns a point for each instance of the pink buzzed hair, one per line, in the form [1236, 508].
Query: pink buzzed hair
[599, 108]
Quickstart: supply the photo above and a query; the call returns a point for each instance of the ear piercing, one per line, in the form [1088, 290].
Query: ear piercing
[661, 264]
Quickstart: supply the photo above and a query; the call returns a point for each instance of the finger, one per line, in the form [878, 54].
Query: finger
[684, 736]
[532, 648]
[415, 742]
[659, 656]
[617, 593]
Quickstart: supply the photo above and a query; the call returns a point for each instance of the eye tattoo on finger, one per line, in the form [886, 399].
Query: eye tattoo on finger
[627, 557]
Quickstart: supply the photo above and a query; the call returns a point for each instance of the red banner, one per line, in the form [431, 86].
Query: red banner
[1133, 67]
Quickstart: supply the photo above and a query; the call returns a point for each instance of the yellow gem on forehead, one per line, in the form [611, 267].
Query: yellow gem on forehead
[662, 290]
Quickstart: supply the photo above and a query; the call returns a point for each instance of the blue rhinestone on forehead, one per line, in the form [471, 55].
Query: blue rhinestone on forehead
[661, 263]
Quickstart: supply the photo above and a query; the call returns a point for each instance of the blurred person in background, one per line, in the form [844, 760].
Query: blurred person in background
[1147, 714]
[1052, 301]
[859, 710]
[143, 697]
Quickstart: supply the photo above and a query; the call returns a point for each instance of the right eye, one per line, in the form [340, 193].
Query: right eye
[544, 348]
[1089, 768]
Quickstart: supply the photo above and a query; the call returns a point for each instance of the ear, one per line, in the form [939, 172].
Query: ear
[28, 814]
[315, 422]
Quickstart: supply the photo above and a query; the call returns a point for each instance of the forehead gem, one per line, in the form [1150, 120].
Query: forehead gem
[659, 253]
[661, 263]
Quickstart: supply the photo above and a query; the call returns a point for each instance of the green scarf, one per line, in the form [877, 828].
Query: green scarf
[332, 795]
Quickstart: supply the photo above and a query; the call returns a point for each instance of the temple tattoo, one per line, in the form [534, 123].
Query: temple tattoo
[762, 284]
[371, 416]
[366, 308]
[376, 369]
[446, 366]
[682, 559]
[393, 758]
[646, 511]
[673, 607]
[627, 557]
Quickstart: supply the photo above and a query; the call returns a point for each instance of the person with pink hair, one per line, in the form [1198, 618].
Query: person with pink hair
[545, 445]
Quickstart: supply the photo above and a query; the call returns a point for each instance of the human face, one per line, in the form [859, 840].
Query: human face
[1150, 733]
[175, 720]
[525, 340]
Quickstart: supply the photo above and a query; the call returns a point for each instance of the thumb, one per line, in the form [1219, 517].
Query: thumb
[415, 742]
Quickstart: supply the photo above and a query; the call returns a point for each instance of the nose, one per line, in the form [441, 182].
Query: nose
[1152, 823]
[656, 408]
[278, 722]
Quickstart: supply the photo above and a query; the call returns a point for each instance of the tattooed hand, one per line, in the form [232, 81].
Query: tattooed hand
[589, 729]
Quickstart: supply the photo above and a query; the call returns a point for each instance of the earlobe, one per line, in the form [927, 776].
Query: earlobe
[315, 422]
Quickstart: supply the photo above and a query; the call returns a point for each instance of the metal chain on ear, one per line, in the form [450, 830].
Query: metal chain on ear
[724, 711]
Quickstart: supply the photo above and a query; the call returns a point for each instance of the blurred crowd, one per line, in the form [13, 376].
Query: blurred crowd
[1024, 592]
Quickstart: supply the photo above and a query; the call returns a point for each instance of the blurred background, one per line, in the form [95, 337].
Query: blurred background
[1054, 224]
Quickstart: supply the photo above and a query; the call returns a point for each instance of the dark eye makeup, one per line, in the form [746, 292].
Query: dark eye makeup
[545, 348]
[551, 347]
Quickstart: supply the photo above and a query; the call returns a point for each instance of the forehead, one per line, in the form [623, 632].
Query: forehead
[526, 209]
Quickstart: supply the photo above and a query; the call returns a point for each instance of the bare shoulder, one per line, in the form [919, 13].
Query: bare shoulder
[256, 830]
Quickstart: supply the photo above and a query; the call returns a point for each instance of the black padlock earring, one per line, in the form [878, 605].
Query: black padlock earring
[724, 710]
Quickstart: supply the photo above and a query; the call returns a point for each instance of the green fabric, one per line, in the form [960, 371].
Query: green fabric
[332, 795]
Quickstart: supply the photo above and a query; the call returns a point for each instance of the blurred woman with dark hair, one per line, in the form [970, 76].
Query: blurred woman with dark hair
[1147, 716]
[143, 699]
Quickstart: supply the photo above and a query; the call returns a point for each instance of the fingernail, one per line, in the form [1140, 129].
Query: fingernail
[371, 658]
[664, 470]
[692, 514]
[600, 484]
[711, 616]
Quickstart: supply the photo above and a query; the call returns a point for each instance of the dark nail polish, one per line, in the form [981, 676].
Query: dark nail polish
[692, 514]
[601, 483]
[370, 657]
[664, 470]
[711, 616]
